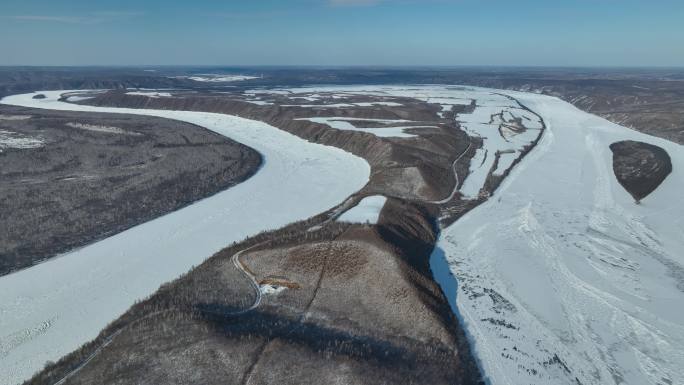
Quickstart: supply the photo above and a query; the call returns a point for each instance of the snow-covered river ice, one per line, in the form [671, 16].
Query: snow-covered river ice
[560, 278]
[52, 308]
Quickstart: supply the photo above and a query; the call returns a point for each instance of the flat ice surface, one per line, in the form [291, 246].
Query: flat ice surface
[149, 94]
[52, 308]
[214, 78]
[341, 123]
[561, 278]
[258, 102]
[505, 162]
[367, 211]
[77, 98]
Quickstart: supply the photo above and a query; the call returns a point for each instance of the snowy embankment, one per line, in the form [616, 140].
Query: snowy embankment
[560, 278]
[50, 309]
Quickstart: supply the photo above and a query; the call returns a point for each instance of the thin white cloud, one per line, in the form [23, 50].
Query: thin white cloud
[249, 15]
[351, 3]
[117, 14]
[90, 18]
[57, 19]
[354, 2]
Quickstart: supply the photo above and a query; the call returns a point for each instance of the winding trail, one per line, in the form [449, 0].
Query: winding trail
[238, 265]
[235, 258]
[94, 354]
[252, 279]
[457, 182]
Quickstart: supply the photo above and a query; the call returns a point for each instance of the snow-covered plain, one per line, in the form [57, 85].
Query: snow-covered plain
[506, 160]
[149, 94]
[341, 123]
[77, 98]
[560, 278]
[366, 211]
[373, 104]
[218, 78]
[52, 308]
[258, 102]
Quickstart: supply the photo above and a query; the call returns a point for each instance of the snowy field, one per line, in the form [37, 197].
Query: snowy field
[77, 98]
[367, 211]
[258, 102]
[50, 309]
[341, 123]
[149, 94]
[560, 278]
[217, 78]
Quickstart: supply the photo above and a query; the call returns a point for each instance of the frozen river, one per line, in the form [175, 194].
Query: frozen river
[50, 309]
[560, 278]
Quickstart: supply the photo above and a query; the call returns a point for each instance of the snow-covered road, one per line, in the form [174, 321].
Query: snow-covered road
[50, 309]
[560, 277]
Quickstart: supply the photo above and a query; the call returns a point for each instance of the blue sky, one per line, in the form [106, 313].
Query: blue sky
[343, 32]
